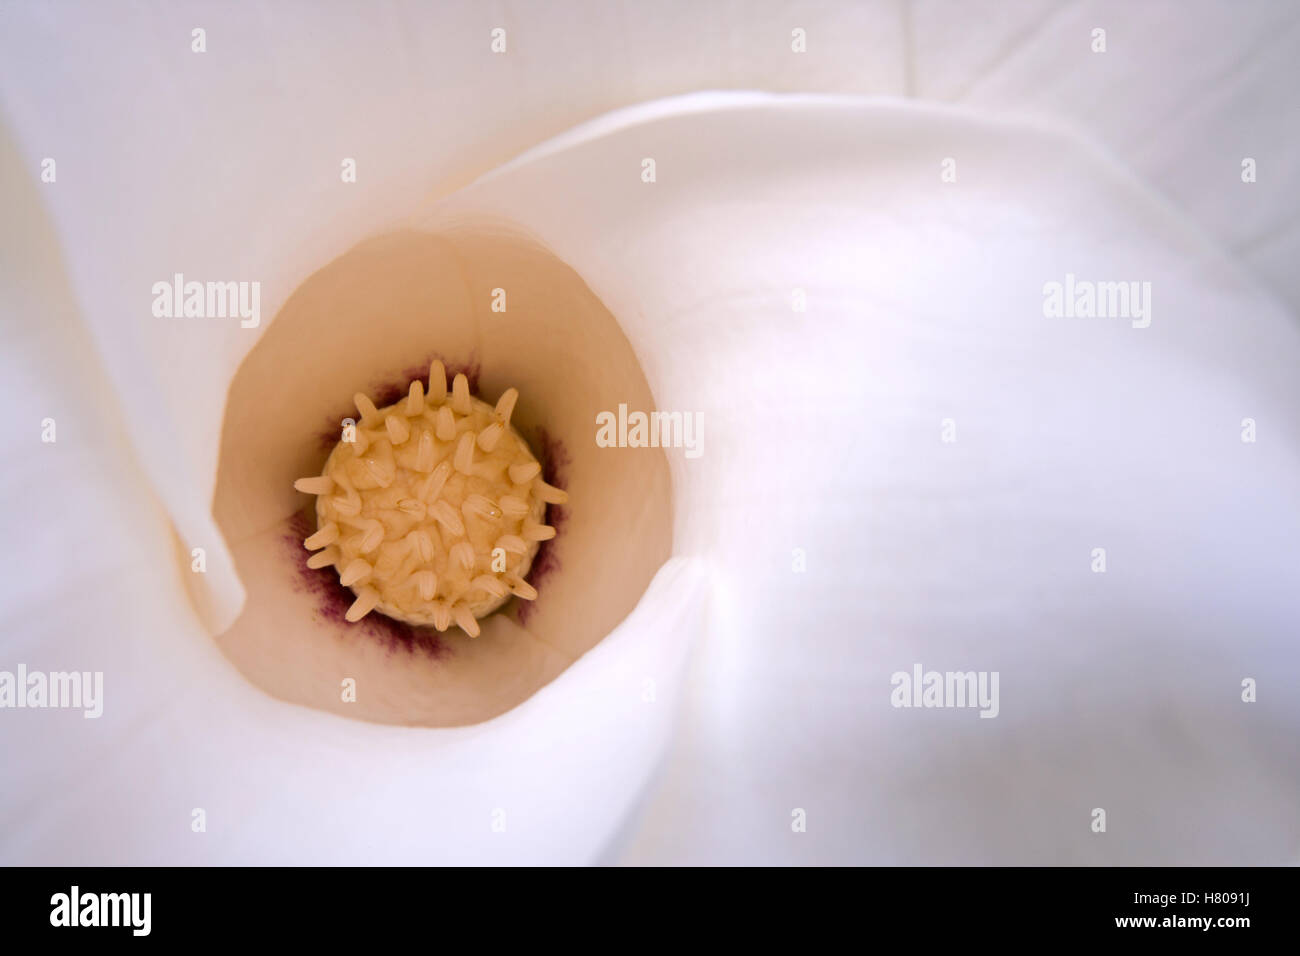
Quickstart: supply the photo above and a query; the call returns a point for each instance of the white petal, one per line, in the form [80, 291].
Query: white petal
[915, 308]
[925, 302]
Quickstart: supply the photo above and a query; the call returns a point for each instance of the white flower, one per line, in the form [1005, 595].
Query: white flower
[905, 458]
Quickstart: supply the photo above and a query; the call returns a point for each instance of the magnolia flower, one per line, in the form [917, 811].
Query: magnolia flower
[967, 397]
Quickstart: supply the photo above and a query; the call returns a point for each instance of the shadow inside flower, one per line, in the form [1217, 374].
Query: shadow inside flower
[488, 301]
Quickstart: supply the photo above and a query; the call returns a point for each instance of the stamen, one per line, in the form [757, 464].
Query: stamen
[357, 570]
[488, 437]
[369, 414]
[380, 472]
[446, 424]
[412, 508]
[481, 506]
[549, 493]
[326, 534]
[460, 401]
[446, 516]
[521, 588]
[465, 454]
[432, 486]
[393, 524]
[373, 537]
[494, 587]
[422, 544]
[363, 605]
[320, 485]
[465, 618]
[415, 399]
[441, 615]
[323, 559]
[513, 507]
[512, 543]
[520, 474]
[424, 452]
[506, 405]
[437, 382]
[347, 506]
[398, 430]
[462, 553]
[538, 532]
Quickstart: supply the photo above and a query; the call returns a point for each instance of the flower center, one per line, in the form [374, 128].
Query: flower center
[432, 508]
